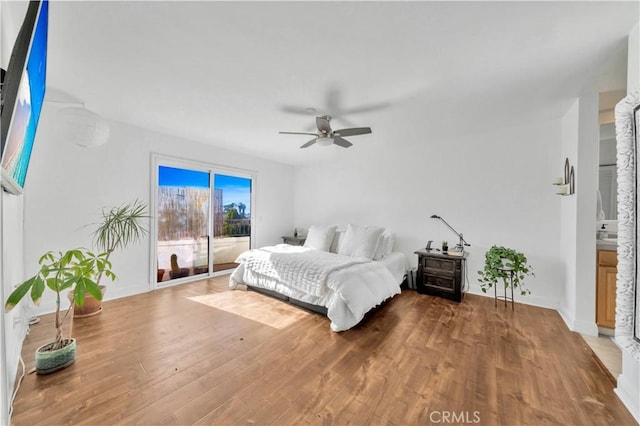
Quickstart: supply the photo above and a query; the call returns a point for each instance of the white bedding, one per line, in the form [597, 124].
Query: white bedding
[305, 267]
[350, 290]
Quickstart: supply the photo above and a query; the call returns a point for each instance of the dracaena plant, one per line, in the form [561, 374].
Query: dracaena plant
[77, 269]
[121, 226]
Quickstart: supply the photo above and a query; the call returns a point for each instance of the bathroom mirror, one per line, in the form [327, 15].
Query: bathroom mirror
[627, 296]
[607, 173]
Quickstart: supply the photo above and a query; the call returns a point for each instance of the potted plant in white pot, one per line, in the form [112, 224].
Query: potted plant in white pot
[498, 260]
[76, 269]
[120, 226]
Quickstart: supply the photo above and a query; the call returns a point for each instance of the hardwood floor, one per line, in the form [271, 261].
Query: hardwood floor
[202, 354]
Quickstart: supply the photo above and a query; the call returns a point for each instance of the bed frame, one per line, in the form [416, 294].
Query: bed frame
[322, 310]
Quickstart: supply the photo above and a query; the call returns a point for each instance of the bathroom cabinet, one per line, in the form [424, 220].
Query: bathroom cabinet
[606, 288]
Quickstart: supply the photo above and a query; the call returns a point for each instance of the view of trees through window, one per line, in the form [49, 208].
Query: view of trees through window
[232, 219]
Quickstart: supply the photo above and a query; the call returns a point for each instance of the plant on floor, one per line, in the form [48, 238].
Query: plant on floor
[77, 269]
[494, 269]
[120, 227]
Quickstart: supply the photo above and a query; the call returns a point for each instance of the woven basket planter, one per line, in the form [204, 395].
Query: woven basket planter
[48, 361]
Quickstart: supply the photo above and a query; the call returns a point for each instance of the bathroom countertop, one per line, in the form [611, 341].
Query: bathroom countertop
[607, 244]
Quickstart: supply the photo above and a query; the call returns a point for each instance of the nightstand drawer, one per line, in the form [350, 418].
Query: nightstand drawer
[440, 283]
[439, 266]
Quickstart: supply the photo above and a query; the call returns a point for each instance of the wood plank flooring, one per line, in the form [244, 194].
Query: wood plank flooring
[202, 354]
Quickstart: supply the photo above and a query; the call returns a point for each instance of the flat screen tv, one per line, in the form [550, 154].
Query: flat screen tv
[22, 96]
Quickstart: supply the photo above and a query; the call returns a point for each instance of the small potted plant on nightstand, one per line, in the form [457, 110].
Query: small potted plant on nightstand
[445, 246]
[497, 261]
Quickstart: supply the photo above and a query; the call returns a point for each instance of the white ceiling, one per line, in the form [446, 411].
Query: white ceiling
[225, 73]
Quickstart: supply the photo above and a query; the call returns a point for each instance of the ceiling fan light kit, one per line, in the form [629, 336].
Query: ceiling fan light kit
[327, 136]
[325, 140]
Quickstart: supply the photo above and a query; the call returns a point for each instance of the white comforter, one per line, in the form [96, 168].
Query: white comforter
[348, 287]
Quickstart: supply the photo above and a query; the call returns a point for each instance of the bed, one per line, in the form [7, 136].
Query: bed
[342, 274]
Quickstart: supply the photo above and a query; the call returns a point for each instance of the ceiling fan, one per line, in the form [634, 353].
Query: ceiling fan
[325, 136]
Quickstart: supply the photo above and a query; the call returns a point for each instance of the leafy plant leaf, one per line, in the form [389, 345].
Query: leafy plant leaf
[17, 294]
[37, 289]
[93, 288]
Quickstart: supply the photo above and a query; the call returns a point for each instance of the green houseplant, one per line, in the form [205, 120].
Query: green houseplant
[77, 269]
[499, 258]
[120, 226]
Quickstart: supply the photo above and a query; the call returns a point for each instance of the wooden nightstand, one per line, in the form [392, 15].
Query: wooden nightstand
[441, 274]
[294, 241]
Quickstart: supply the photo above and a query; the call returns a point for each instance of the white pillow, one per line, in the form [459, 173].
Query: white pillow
[320, 237]
[360, 241]
[385, 245]
[337, 240]
[391, 242]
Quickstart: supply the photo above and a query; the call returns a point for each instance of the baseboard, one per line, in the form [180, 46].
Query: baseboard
[114, 291]
[629, 396]
[583, 327]
[606, 331]
[531, 300]
[565, 317]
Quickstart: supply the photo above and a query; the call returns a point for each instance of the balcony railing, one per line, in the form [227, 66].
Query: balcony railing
[235, 228]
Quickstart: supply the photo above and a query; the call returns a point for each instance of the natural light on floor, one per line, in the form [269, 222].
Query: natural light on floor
[256, 307]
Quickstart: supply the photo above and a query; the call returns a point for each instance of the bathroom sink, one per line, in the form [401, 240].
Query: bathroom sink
[609, 240]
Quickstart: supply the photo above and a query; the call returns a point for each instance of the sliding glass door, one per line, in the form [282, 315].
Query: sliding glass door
[203, 220]
[231, 219]
[183, 222]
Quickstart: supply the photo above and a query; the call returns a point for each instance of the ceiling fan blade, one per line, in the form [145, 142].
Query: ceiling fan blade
[323, 124]
[298, 133]
[341, 142]
[353, 131]
[298, 110]
[308, 144]
[366, 108]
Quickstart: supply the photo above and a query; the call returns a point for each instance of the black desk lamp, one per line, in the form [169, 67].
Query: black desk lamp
[462, 242]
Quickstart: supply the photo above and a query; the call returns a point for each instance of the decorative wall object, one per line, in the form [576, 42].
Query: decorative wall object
[627, 332]
[567, 183]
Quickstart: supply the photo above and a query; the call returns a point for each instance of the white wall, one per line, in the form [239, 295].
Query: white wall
[580, 144]
[69, 185]
[586, 165]
[492, 185]
[568, 218]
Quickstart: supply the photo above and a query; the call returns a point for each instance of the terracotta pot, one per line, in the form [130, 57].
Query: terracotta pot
[48, 361]
[91, 306]
[160, 275]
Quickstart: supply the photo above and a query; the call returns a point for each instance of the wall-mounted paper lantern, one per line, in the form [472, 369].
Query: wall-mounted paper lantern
[83, 127]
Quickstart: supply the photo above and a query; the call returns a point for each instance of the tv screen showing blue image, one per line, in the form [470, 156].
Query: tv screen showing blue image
[24, 94]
